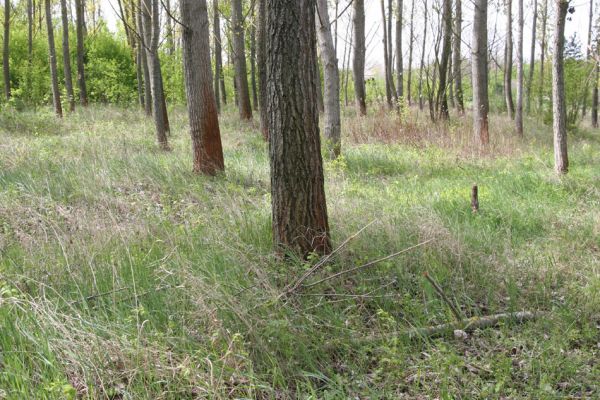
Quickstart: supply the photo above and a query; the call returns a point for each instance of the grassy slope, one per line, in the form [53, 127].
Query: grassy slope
[187, 283]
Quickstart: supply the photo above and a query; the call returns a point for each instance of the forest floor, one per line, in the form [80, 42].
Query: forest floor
[125, 276]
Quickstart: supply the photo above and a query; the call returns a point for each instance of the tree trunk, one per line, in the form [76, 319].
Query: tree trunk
[588, 55]
[559, 108]
[169, 28]
[261, 55]
[253, 67]
[6, 49]
[218, 53]
[358, 63]
[410, 53]
[519, 109]
[300, 221]
[239, 56]
[399, 61]
[508, 62]
[531, 58]
[67, 55]
[386, 61]
[139, 75]
[457, 58]
[79, 11]
[144, 59]
[422, 65]
[480, 72]
[319, 88]
[201, 103]
[30, 8]
[543, 56]
[595, 94]
[442, 96]
[151, 29]
[52, 59]
[332, 81]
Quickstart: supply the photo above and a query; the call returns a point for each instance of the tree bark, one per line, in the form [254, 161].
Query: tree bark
[6, 49]
[386, 53]
[531, 58]
[253, 67]
[67, 55]
[239, 56]
[218, 53]
[332, 81]
[508, 62]
[358, 63]
[480, 72]
[559, 109]
[201, 103]
[52, 59]
[391, 52]
[595, 93]
[422, 65]
[143, 60]
[399, 60]
[79, 11]
[519, 108]
[442, 96]
[457, 58]
[410, 53]
[300, 222]
[30, 31]
[150, 17]
[543, 56]
[261, 54]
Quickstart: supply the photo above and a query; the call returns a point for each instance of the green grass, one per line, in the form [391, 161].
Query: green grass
[125, 276]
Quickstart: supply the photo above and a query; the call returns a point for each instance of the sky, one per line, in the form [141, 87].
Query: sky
[578, 24]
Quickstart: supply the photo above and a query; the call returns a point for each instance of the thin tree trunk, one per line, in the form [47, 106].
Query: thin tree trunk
[519, 108]
[508, 62]
[531, 58]
[588, 55]
[218, 54]
[144, 59]
[331, 76]
[151, 24]
[6, 49]
[543, 57]
[139, 75]
[169, 28]
[479, 64]
[201, 103]
[52, 55]
[239, 54]
[300, 222]
[386, 53]
[335, 29]
[346, 64]
[399, 60]
[30, 9]
[422, 65]
[391, 52]
[253, 67]
[442, 97]
[457, 58]
[358, 64]
[261, 55]
[595, 93]
[559, 109]
[79, 11]
[67, 55]
[410, 53]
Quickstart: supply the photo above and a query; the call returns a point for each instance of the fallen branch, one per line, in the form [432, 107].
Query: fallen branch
[471, 324]
[440, 291]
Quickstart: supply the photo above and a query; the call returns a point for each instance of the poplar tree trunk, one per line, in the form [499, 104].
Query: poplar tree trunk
[457, 58]
[253, 67]
[508, 62]
[422, 65]
[519, 109]
[239, 56]
[410, 53]
[391, 52]
[150, 17]
[67, 55]
[480, 72]
[358, 63]
[559, 108]
[261, 54]
[79, 11]
[300, 221]
[399, 61]
[386, 53]
[588, 56]
[595, 94]
[6, 49]
[30, 31]
[331, 75]
[531, 58]
[144, 60]
[543, 56]
[52, 59]
[442, 96]
[218, 55]
[201, 103]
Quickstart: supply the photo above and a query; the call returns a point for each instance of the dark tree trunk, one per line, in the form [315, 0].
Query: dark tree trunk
[300, 221]
[67, 55]
[531, 58]
[410, 52]
[386, 58]
[543, 56]
[6, 49]
[457, 58]
[399, 60]
[218, 54]
[595, 94]
[442, 96]
[261, 55]
[151, 30]
[519, 109]
[479, 64]
[201, 104]
[79, 11]
[508, 62]
[422, 65]
[358, 64]
[253, 68]
[30, 31]
[559, 108]
[143, 60]
[52, 60]
[239, 55]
